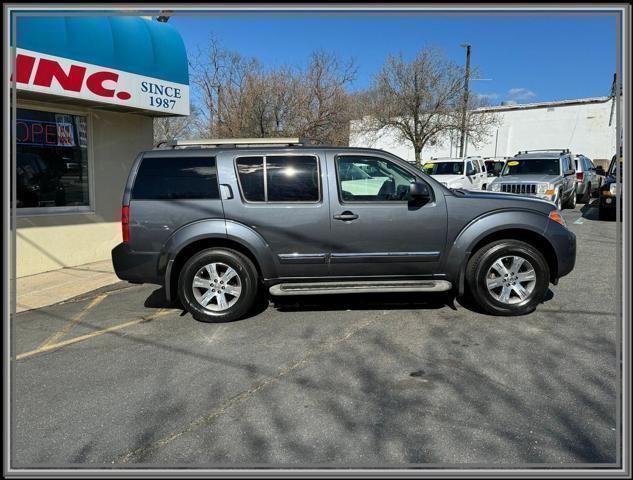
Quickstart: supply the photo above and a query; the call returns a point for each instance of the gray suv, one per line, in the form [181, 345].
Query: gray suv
[546, 174]
[218, 222]
[588, 180]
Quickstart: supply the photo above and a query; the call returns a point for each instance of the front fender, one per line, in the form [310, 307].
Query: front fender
[479, 228]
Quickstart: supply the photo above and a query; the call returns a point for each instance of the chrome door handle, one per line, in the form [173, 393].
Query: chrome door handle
[346, 216]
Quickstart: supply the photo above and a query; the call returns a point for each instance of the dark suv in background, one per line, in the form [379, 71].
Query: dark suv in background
[609, 194]
[216, 221]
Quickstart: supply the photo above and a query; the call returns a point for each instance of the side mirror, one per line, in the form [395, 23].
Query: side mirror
[470, 173]
[600, 171]
[420, 191]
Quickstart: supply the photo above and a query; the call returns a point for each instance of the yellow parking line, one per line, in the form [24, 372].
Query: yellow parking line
[74, 321]
[45, 348]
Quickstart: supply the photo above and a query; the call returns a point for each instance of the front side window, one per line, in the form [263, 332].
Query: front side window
[372, 179]
[52, 159]
[566, 164]
[279, 178]
[171, 178]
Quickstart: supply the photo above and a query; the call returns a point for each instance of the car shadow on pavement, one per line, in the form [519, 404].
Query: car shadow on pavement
[157, 299]
[342, 302]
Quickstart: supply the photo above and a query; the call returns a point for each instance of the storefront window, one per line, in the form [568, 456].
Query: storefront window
[52, 160]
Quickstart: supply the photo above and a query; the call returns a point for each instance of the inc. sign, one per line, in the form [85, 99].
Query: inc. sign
[38, 72]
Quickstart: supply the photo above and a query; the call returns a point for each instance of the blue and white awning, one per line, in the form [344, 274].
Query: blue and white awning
[131, 62]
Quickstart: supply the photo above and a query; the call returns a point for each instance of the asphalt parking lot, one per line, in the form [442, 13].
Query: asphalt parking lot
[117, 378]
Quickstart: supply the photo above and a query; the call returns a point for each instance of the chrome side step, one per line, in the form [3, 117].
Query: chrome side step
[384, 286]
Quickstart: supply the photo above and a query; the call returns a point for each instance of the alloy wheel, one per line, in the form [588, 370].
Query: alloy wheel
[511, 279]
[217, 286]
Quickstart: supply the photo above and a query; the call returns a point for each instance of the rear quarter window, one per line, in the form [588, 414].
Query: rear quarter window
[169, 178]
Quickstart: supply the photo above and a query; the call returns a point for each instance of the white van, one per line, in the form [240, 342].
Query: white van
[468, 173]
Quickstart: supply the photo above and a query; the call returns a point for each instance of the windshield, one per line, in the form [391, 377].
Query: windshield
[444, 168]
[545, 166]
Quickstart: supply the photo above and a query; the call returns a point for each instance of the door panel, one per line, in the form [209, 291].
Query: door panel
[289, 210]
[389, 235]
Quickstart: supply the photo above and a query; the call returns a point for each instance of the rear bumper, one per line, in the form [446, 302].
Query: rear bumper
[135, 267]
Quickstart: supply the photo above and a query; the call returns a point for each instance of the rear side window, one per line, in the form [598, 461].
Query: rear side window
[279, 178]
[169, 178]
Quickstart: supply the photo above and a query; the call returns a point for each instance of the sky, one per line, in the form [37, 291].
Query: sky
[524, 58]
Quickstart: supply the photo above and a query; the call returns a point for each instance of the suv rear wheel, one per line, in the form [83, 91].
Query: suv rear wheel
[508, 277]
[218, 285]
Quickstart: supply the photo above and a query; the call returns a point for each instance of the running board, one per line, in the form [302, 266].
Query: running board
[385, 286]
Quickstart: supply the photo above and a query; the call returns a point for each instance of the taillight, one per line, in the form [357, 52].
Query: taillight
[580, 176]
[125, 223]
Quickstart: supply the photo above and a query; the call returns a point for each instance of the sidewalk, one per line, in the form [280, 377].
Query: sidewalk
[42, 289]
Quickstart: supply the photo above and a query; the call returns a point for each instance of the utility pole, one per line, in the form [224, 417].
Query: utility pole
[462, 140]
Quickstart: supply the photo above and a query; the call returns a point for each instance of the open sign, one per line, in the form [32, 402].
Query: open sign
[41, 133]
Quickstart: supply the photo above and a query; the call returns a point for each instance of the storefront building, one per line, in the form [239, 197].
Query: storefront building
[87, 90]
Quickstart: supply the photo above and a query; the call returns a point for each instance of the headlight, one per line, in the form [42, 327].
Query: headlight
[494, 187]
[613, 188]
[541, 188]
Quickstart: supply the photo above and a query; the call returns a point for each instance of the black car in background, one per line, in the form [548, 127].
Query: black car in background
[609, 191]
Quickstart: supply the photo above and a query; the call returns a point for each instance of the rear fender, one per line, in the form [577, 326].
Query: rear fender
[222, 230]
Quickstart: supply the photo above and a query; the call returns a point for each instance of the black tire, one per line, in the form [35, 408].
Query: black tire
[559, 202]
[586, 197]
[483, 259]
[246, 272]
[571, 200]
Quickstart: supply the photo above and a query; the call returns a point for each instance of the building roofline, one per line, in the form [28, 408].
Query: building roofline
[557, 103]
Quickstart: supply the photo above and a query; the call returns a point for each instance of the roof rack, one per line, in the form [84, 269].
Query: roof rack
[235, 142]
[561, 150]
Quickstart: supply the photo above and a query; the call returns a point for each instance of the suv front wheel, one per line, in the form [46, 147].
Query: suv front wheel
[508, 277]
[218, 285]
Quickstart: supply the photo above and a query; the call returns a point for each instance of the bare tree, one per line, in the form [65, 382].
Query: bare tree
[325, 105]
[418, 100]
[238, 98]
[175, 128]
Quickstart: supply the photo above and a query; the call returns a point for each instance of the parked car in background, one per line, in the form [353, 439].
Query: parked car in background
[494, 165]
[468, 173]
[217, 221]
[546, 174]
[609, 193]
[588, 181]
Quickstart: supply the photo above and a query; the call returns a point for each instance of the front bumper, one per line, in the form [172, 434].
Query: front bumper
[133, 266]
[564, 243]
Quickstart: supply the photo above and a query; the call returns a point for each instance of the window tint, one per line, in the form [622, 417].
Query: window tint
[251, 173]
[363, 179]
[280, 178]
[292, 178]
[469, 168]
[168, 178]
